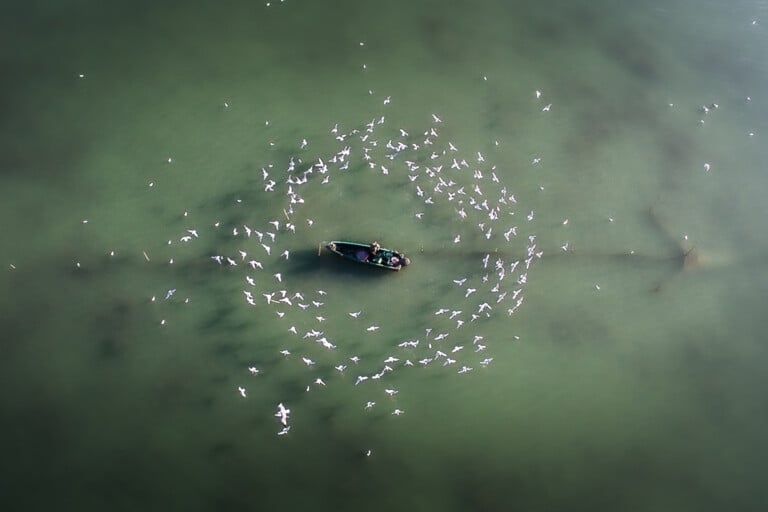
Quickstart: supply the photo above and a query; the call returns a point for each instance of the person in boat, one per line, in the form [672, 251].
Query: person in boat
[399, 259]
[375, 253]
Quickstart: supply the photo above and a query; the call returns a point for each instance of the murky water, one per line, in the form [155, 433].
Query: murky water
[622, 370]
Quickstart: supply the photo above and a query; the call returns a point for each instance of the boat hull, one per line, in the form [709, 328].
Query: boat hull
[363, 253]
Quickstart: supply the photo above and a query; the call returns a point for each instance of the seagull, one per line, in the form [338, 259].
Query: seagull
[253, 370]
[282, 413]
[327, 344]
[355, 314]
[391, 392]
[397, 412]
[242, 391]
[436, 119]
[279, 277]
[284, 431]
[308, 361]
[369, 404]
[372, 328]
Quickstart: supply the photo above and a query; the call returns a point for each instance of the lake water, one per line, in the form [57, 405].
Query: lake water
[631, 376]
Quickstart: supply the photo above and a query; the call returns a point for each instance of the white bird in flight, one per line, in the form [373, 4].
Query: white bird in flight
[282, 413]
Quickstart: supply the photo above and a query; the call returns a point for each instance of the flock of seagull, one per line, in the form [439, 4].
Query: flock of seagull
[436, 174]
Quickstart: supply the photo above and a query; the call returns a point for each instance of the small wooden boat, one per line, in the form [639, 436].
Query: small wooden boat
[369, 254]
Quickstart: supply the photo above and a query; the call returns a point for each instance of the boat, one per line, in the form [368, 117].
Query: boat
[369, 254]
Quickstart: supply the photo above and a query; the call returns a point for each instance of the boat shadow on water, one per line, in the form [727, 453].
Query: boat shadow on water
[308, 261]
